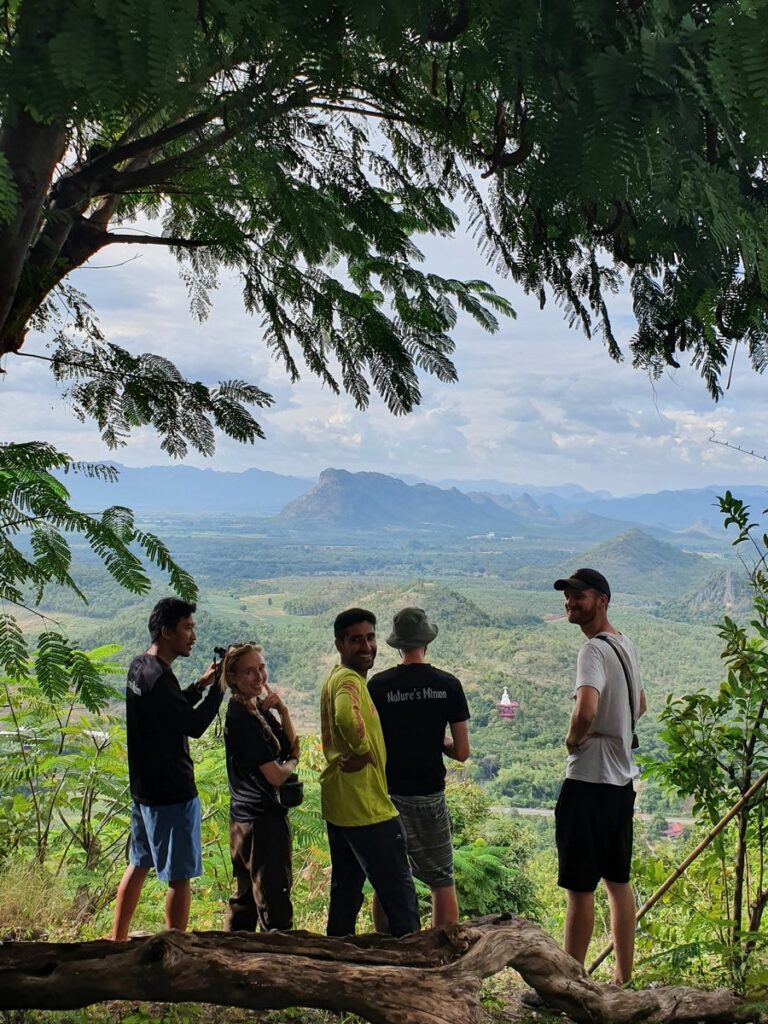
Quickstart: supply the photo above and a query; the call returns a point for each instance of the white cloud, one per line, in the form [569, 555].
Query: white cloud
[538, 403]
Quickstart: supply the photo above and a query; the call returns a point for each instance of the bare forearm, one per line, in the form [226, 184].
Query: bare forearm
[449, 749]
[643, 705]
[288, 768]
[578, 728]
[456, 745]
[582, 716]
[276, 773]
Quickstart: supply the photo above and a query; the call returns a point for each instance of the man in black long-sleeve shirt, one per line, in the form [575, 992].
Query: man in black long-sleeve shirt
[160, 716]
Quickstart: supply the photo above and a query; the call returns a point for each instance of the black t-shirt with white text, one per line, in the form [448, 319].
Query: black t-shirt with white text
[415, 704]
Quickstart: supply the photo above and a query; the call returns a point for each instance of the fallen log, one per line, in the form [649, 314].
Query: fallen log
[432, 977]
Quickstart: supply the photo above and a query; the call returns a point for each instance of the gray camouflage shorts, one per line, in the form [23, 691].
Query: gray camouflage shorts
[428, 829]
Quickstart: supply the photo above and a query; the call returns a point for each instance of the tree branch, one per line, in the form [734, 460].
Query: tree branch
[362, 111]
[115, 238]
[498, 157]
[171, 167]
[89, 368]
[69, 239]
[141, 146]
[31, 610]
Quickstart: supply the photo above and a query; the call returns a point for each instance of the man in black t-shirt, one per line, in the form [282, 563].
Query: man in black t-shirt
[159, 716]
[416, 702]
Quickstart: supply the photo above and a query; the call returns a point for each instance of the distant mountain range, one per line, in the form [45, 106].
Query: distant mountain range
[373, 501]
[679, 510]
[187, 489]
[340, 499]
[674, 510]
[574, 493]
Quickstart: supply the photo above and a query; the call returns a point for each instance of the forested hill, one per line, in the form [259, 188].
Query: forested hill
[723, 591]
[373, 500]
[640, 564]
[492, 634]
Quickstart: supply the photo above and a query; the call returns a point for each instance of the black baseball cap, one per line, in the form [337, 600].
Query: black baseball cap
[585, 579]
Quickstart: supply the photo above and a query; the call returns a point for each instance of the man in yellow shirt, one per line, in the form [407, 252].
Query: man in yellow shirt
[365, 834]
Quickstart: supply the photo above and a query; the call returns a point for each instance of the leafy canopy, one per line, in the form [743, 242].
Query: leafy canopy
[717, 751]
[35, 521]
[306, 146]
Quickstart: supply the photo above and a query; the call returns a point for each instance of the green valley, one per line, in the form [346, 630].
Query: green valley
[280, 581]
[501, 624]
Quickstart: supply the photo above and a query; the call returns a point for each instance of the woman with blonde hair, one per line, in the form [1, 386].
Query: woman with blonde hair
[262, 753]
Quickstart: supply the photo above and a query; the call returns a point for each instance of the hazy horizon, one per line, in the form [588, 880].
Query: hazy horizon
[442, 482]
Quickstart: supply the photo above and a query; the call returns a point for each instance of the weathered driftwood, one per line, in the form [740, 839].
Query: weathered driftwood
[429, 978]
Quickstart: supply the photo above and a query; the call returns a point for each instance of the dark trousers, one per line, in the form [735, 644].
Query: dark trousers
[380, 854]
[261, 862]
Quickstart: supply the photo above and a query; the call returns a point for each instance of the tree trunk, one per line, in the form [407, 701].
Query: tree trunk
[432, 977]
[32, 151]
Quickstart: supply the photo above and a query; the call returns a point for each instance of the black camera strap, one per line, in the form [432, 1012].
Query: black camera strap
[619, 654]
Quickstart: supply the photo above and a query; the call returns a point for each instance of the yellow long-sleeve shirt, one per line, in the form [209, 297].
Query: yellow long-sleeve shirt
[350, 725]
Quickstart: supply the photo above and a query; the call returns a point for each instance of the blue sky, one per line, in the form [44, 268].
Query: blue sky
[537, 403]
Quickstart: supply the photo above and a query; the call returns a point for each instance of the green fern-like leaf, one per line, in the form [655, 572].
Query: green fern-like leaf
[51, 663]
[34, 505]
[14, 654]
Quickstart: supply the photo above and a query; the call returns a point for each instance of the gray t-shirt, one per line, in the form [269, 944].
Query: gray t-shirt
[605, 756]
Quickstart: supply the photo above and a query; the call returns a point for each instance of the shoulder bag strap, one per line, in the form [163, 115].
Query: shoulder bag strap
[619, 654]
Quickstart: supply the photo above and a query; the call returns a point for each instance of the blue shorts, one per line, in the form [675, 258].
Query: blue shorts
[166, 837]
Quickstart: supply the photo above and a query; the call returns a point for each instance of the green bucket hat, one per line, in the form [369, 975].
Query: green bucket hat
[411, 629]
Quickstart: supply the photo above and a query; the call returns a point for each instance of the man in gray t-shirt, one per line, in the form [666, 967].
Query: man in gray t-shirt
[593, 817]
[605, 754]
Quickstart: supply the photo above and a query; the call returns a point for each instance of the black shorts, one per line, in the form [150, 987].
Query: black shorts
[593, 832]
